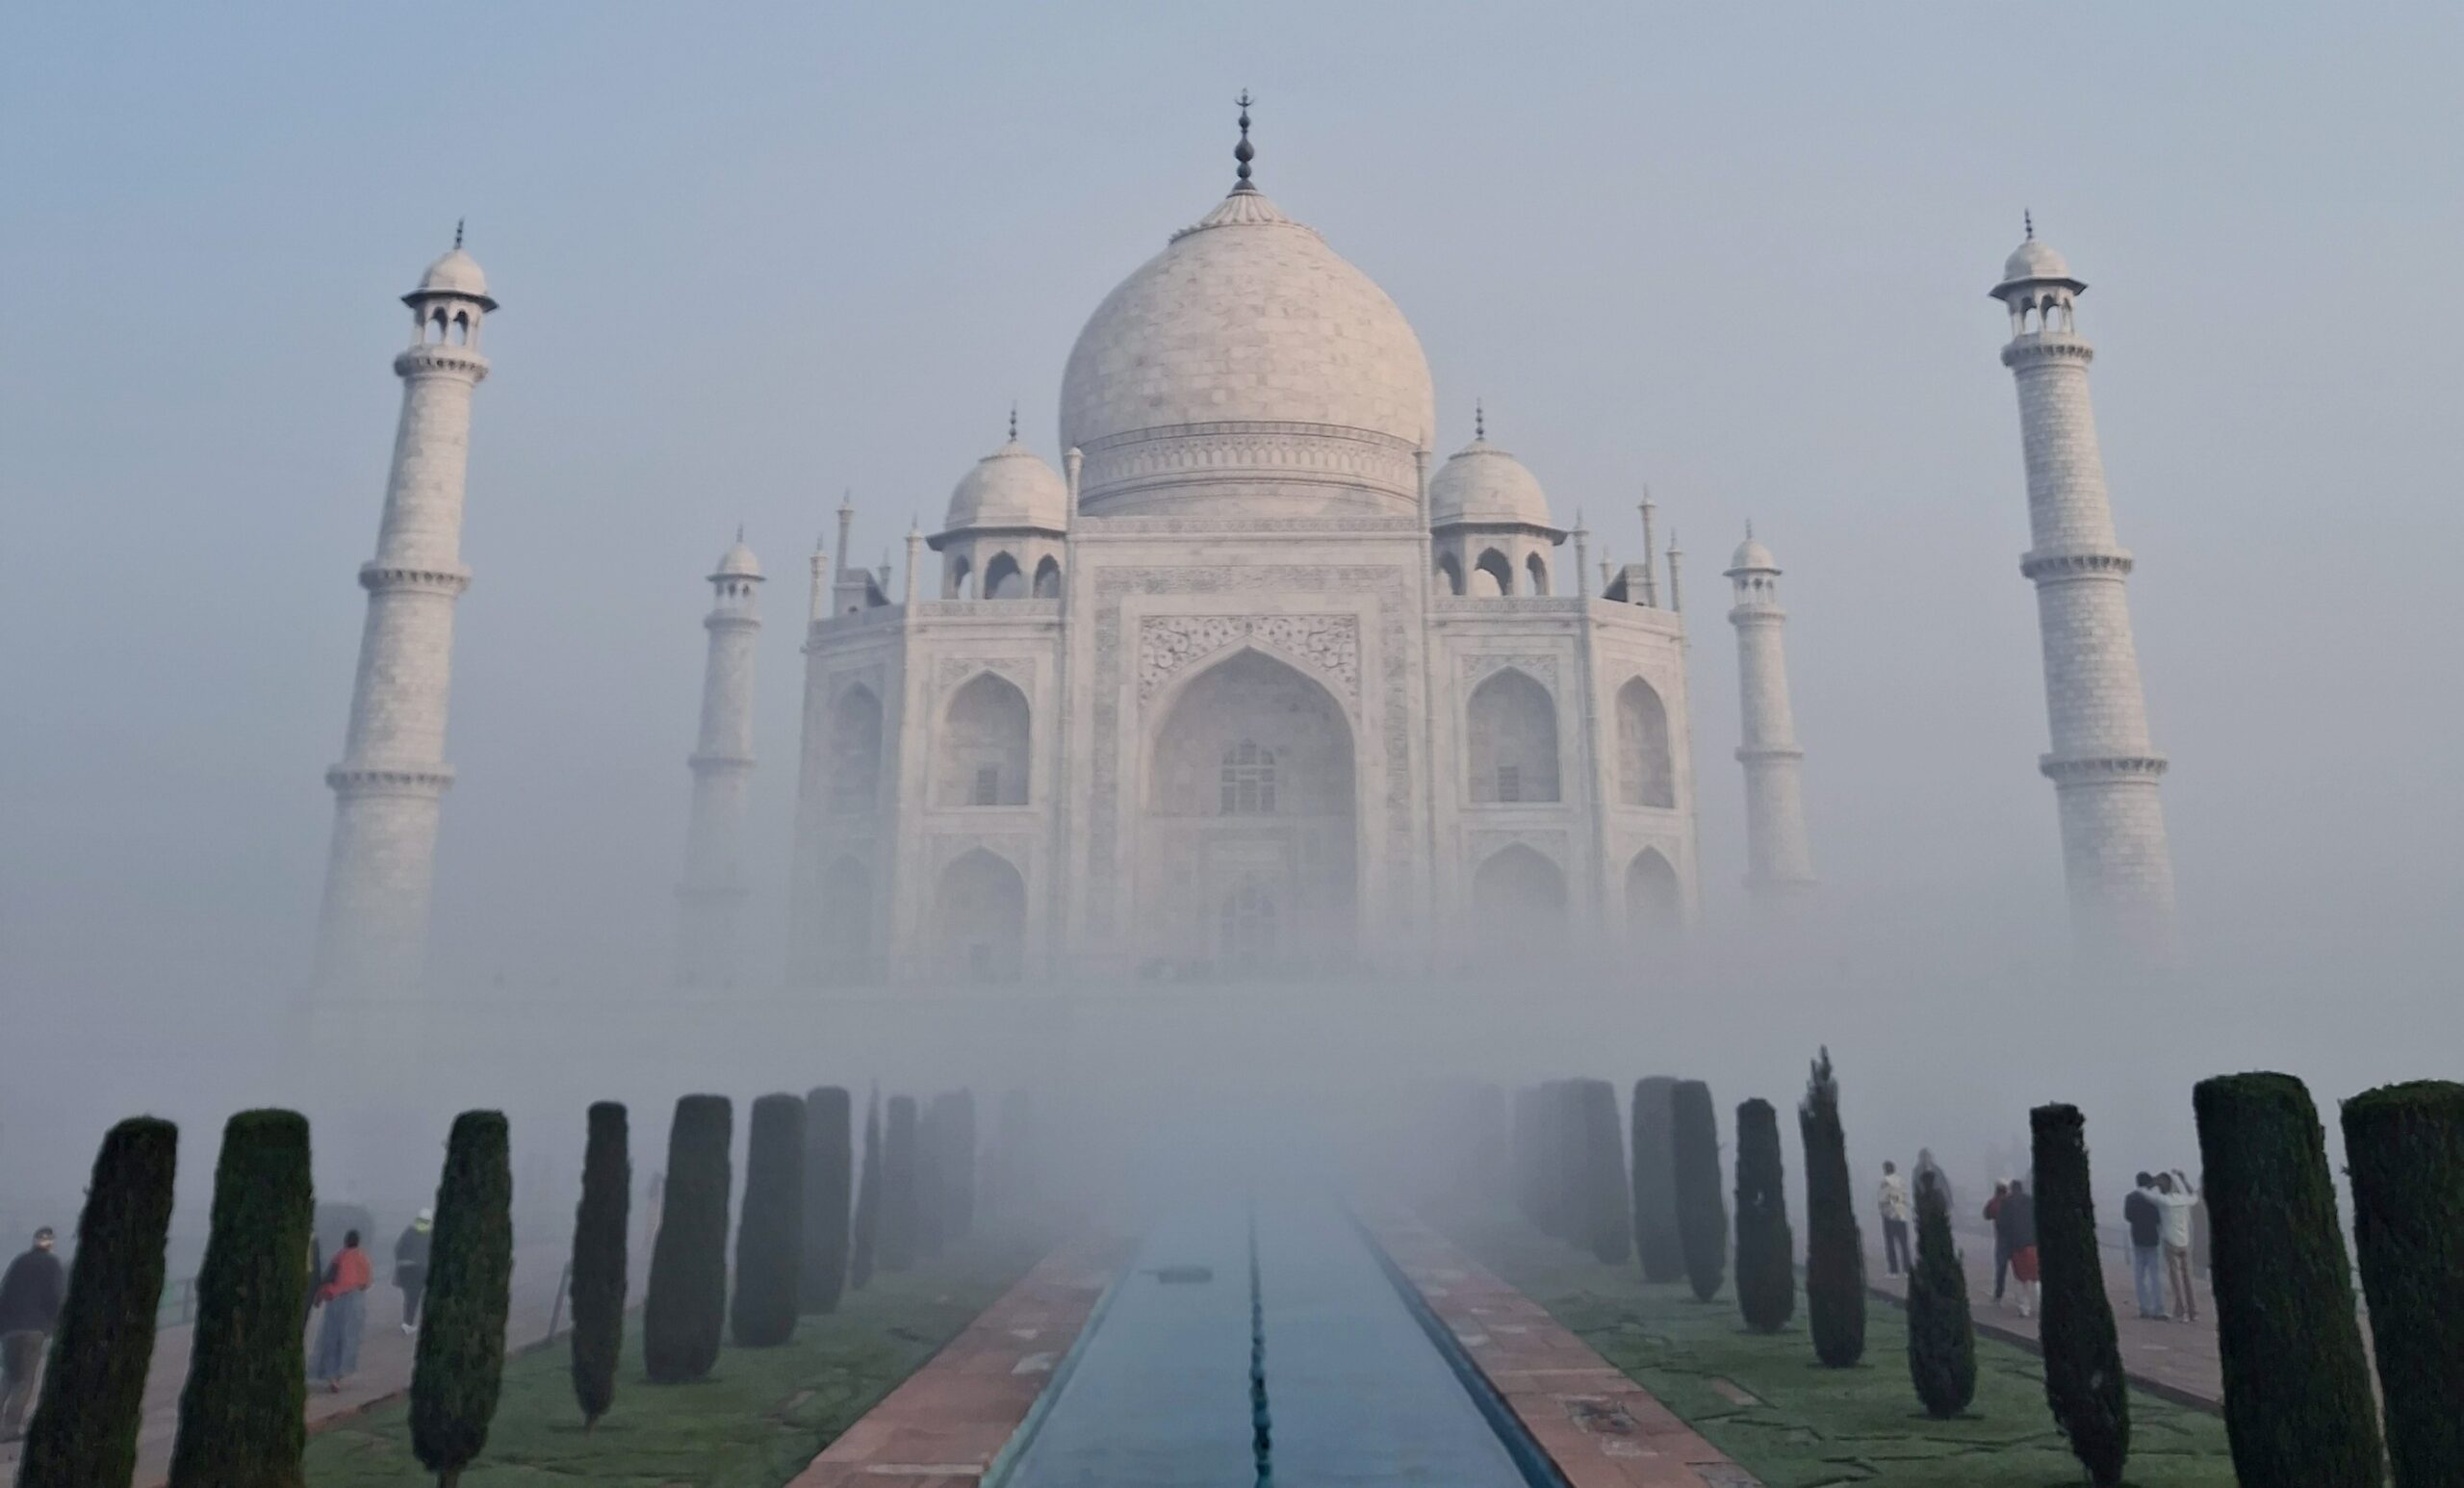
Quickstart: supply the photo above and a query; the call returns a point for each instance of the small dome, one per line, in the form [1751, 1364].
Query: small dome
[2034, 260]
[1751, 554]
[737, 562]
[1483, 483]
[1012, 487]
[455, 273]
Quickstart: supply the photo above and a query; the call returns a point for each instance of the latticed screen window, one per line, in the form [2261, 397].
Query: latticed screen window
[1249, 780]
[1509, 782]
[987, 785]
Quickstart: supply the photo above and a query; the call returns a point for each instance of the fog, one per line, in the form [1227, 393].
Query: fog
[752, 261]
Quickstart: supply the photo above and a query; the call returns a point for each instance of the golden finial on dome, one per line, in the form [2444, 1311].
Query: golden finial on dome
[1243, 152]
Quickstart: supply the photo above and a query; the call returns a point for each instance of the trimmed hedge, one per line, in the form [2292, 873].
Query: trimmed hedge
[686, 1310]
[2083, 1374]
[244, 1410]
[2404, 1148]
[85, 1425]
[1608, 1212]
[1835, 1251]
[770, 1234]
[1941, 1337]
[458, 1367]
[1702, 1219]
[829, 1167]
[931, 1176]
[900, 1223]
[1766, 1265]
[1657, 1242]
[960, 1171]
[599, 1274]
[2297, 1408]
[866, 1237]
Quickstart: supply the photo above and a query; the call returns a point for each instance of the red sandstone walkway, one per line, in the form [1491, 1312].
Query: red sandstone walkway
[945, 1424]
[1599, 1428]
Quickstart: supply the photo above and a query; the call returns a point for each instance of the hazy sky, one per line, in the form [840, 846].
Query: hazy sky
[750, 259]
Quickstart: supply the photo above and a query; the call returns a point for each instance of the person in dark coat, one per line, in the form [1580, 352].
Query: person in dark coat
[2001, 1245]
[410, 1267]
[2016, 1231]
[30, 1296]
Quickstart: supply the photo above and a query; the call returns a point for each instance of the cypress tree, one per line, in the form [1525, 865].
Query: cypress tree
[687, 1306]
[1941, 1339]
[2404, 1148]
[1656, 1241]
[1766, 1265]
[2297, 1408]
[866, 1240]
[244, 1410]
[599, 1279]
[1702, 1219]
[931, 1188]
[2083, 1377]
[93, 1389]
[895, 1244]
[1526, 1139]
[962, 1168]
[460, 1359]
[1834, 1252]
[770, 1237]
[1608, 1219]
[1491, 1164]
[1017, 1148]
[829, 1168]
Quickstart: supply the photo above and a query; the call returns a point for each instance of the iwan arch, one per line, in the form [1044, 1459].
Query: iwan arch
[1251, 685]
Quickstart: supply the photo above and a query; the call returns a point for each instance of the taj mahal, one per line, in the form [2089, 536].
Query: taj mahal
[1248, 678]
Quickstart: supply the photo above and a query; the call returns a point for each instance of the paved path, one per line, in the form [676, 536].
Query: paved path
[384, 1363]
[1599, 1428]
[2177, 1360]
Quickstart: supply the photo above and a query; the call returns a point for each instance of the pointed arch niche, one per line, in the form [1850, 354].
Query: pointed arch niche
[984, 750]
[855, 752]
[1655, 903]
[1511, 731]
[1646, 769]
[980, 919]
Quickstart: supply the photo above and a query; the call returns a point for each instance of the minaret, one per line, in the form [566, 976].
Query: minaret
[372, 932]
[711, 901]
[2103, 769]
[1778, 858]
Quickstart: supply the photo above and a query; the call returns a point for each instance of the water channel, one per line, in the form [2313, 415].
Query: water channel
[1158, 1392]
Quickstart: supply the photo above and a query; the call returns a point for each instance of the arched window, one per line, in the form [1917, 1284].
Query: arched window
[1492, 576]
[1522, 891]
[1451, 573]
[1538, 568]
[1654, 904]
[954, 577]
[1512, 729]
[1048, 579]
[1002, 579]
[1646, 773]
[980, 917]
[461, 330]
[855, 751]
[1249, 780]
[981, 755]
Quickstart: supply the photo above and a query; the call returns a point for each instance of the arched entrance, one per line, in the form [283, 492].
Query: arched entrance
[980, 919]
[1654, 904]
[1519, 893]
[1246, 853]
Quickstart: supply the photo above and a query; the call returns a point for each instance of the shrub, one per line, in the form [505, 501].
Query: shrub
[770, 1237]
[686, 1305]
[1014, 1197]
[932, 1186]
[460, 1361]
[1608, 1212]
[2297, 1408]
[2083, 1376]
[960, 1171]
[244, 1410]
[897, 1242]
[93, 1389]
[2404, 1148]
[1941, 1339]
[1656, 1241]
[1702, 1219]
[1834, 1252]
[1766, 1265]
[599, 1275]
[829, 1168]
[868, 1201]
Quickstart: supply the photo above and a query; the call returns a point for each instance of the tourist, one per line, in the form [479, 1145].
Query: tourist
[1927, 1167]
[2174, 1195]
[2001, 1241]
[410, 1268]
[1894, 1205]
[2019, 1218]
[30, 1296]
[344, 1297]
[2147, 1221]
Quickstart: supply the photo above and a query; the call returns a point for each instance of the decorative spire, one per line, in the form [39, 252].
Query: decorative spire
[2028, 220]
[1243, 152]
[1480, 420]
[739, 532]
[1749, 529]
[1014, 420]
[457, 231]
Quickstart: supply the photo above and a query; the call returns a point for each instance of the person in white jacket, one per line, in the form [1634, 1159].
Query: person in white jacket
[2177, 1198]
[1894, 1205]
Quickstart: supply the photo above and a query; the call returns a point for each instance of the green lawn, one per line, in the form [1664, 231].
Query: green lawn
[754, 1424]
[1816, 1426]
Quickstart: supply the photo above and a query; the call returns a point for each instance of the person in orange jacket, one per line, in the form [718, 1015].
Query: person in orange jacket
[344, 1299]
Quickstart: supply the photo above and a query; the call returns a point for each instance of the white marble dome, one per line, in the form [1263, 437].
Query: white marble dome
[1012, 487]
[737, 562]
[1483, 483]
[1246, 360]
[455, 273]
[2034, 260]
[1751, 554]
